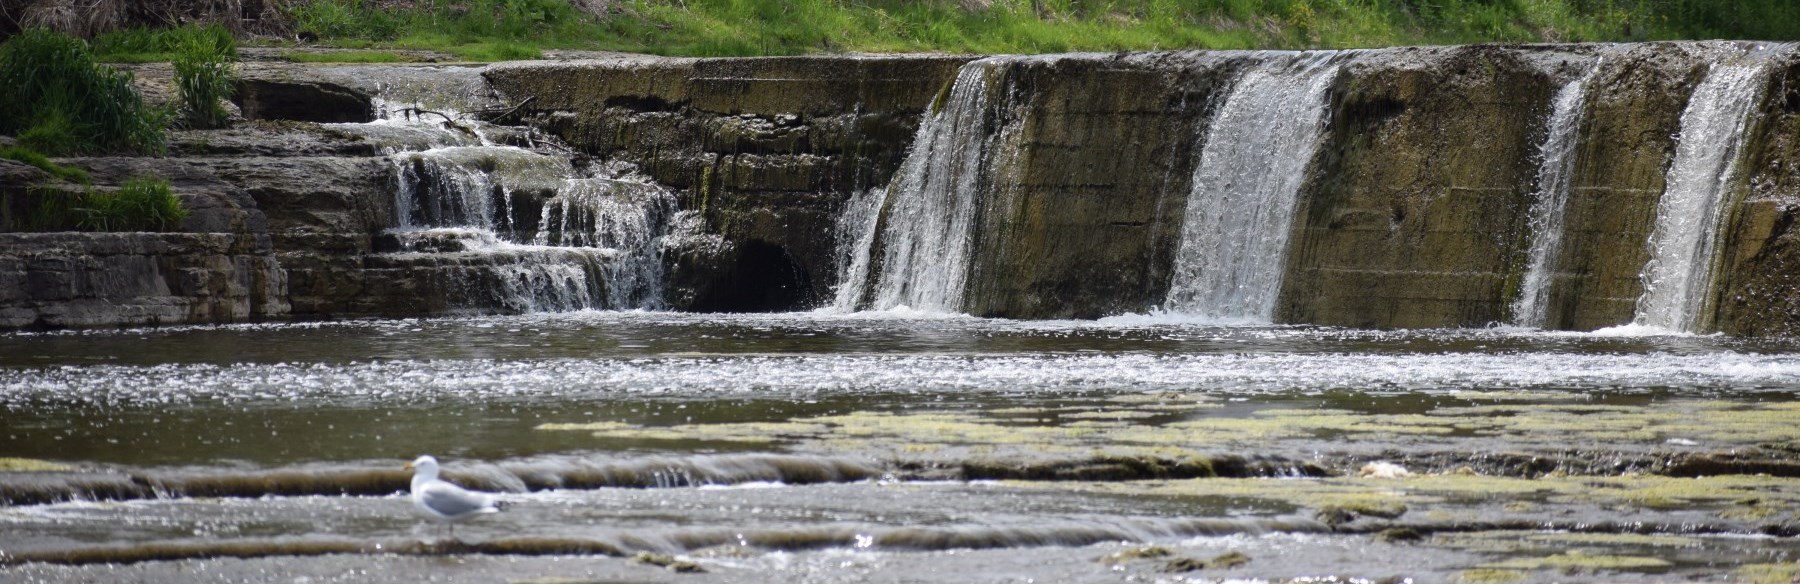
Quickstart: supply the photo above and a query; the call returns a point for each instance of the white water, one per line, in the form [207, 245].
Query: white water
[1678, 275]
[931, 205]
[1556, 167]
[855, 230]
[627, 216]
[1239, 213]
[596, 242]
[460, 185]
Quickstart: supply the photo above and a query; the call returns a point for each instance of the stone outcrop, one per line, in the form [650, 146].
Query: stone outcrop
[765, 150]
[79, 279]
[1413, 212]
[1758, 278]
[1634, 115]
[1086, 223]
[264, 99]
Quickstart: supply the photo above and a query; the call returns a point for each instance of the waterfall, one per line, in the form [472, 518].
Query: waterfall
[469, 185]
[1556, 167]
[1240, 210]
[924, 220]
[1678, 275]
[856, 228]
[525, 230]
[625, 216]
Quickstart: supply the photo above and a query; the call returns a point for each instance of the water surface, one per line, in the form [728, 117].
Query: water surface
[834, 447]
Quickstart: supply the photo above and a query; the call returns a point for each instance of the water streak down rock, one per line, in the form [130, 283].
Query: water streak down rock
[1556, 167]
[929, 210]
[468, 210]
[1683, 247]
[1235, 236]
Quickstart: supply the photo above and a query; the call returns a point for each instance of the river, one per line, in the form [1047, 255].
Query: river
[895, 446]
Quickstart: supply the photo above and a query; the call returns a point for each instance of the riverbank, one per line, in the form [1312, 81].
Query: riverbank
[491, 30]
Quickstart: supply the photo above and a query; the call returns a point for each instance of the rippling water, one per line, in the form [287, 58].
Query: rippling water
[851, 442]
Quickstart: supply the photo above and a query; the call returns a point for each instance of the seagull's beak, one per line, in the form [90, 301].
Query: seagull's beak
[407, 466]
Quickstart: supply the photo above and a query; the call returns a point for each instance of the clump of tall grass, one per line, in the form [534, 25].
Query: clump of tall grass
[141, 204]
[205, 72]
[57, 100]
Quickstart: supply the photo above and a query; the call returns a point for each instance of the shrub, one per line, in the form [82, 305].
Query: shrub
[59, 101]
[205, 70]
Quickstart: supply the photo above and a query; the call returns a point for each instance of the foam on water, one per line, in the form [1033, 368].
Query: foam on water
[769, 375]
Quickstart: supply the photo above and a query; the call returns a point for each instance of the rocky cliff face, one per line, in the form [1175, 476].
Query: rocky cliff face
[1084, 220]
[765, 150]
[1413, 209]
[1416, 205]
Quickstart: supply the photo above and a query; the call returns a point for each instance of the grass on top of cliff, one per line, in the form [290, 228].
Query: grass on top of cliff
[511, 29]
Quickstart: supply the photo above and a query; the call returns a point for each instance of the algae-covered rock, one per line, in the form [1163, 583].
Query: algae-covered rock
[30, 465]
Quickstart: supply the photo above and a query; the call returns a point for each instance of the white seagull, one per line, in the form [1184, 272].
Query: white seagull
[444, 501]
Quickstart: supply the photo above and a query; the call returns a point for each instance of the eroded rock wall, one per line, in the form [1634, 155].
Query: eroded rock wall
[80, 279]
[1758, 279]
[765, 150]
[1414, 212]
[1084, 219]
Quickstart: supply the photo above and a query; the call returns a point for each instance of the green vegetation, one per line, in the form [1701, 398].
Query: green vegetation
[477, 30]
[59, 101]
[485, 30]
[141, 204]
[37, 159]
[205, 63]
[137, 45]
[497, 29]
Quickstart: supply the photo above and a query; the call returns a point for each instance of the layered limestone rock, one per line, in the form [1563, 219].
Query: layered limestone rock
[1758, 281]
[1084, 218]
[1415, 208]
[1624, 150]
[765, 150]
[78, 279]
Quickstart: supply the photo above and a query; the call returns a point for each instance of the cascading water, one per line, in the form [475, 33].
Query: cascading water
[855, 230]
[924, 219]
[1678, 275]
[1235, 236]
[526, 229]
[1556, 166]
[626, 216]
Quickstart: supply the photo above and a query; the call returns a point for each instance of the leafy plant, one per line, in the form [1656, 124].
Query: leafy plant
[205, 71]
[59, 101]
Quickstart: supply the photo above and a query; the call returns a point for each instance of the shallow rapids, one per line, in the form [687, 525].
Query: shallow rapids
[856, 447]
